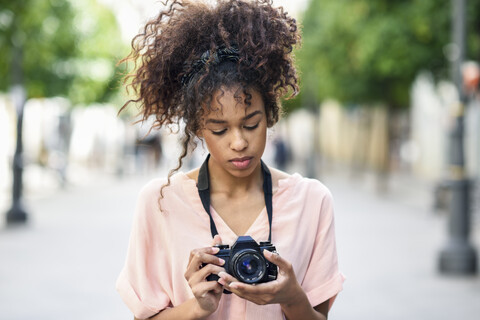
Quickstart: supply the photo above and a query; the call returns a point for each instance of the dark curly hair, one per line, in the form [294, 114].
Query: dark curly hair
[169, 85]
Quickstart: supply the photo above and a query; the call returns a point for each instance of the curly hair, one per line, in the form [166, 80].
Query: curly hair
[166, 51]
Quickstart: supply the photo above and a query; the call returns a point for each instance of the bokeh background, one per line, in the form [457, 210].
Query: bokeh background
[375, 121]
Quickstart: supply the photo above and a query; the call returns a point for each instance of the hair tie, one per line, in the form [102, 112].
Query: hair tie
[210, 58]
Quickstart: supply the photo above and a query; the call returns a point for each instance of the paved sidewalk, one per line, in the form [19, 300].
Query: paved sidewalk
[388, 247]
[64, 263]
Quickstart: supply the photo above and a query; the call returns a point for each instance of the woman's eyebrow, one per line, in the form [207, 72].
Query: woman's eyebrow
[251, 115]
[215, 121]
[248, 116]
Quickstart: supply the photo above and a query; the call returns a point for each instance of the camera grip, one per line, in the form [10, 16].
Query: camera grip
[215, 277]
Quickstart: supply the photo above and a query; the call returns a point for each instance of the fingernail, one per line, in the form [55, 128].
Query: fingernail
[215, 249]
[267, 253]
[222, 274]
[234, 285]
[221, 261]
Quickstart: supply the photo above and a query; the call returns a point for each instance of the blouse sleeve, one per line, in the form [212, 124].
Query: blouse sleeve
[141, 284]
[323, 280]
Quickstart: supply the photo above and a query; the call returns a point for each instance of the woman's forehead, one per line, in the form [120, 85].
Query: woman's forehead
[228, 105]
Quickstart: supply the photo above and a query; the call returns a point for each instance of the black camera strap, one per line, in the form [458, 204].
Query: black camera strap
[204, 192]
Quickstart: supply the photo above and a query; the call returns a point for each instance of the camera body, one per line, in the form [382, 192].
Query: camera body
[245, 261]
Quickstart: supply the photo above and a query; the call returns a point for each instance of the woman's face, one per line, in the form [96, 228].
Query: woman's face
[235, 133]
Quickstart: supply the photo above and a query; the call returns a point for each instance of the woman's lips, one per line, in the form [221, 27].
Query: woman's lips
[241, 163]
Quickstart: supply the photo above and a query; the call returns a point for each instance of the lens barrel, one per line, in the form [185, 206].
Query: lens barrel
[248, 266]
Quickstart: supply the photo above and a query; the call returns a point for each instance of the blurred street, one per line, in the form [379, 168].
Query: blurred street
[386, 88]
[64, 263]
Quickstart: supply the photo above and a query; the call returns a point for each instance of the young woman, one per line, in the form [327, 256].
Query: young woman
[221, 68]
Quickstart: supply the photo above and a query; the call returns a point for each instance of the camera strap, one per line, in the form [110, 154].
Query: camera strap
[203, 186]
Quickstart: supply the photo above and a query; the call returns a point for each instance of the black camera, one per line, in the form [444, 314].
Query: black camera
[245, 261]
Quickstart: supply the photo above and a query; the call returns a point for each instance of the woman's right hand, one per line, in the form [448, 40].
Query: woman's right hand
[207, 293]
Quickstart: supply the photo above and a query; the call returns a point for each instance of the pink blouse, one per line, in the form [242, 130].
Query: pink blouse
[160, 243]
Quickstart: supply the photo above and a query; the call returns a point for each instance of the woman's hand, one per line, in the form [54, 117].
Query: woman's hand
[207, 293]
[284, 290]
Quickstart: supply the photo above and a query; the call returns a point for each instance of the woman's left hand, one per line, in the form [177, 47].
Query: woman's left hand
[284, 290]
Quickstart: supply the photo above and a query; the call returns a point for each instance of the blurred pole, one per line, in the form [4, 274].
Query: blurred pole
[17, 214]
[458, 256]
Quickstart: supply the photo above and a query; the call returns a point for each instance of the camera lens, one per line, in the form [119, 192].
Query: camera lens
[248, 266]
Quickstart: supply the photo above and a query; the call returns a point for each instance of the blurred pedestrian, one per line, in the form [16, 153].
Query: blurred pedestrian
[281, 153]
[220, 67]
[148, 150]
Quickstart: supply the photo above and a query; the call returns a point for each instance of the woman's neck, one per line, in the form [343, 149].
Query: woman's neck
[223, 182]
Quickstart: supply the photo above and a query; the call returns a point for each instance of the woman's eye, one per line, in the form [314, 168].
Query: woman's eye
[219, 133]
[251, 127]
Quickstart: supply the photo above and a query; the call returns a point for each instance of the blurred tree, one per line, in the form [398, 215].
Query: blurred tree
[61, 48]
[54, 48]
[100, 47]
[370, 51]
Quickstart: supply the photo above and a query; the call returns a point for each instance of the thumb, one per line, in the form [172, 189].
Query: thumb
[275, 258]
[216, 240]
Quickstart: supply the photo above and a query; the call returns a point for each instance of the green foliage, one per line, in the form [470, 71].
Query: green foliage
[97, 76]
[66, 48]
[369, 51]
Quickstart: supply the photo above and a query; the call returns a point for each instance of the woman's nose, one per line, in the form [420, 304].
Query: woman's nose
[238, 142]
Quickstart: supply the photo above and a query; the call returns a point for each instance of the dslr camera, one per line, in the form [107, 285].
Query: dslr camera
[245, 261]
